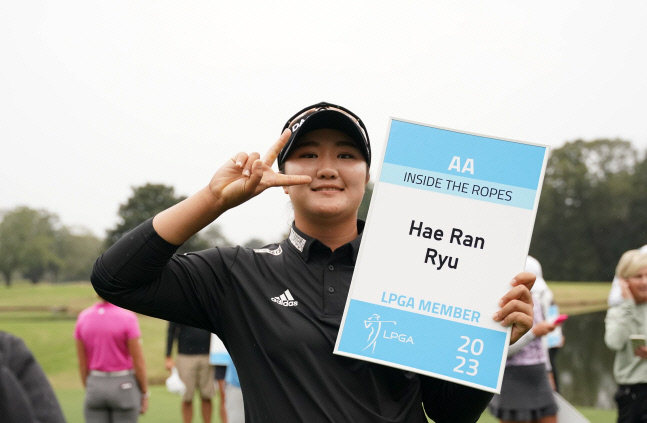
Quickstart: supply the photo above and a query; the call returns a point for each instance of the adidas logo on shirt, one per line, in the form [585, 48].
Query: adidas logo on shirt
[285, 299]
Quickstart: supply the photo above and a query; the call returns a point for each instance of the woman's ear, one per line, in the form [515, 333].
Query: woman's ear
[285, 190]
[368, 177]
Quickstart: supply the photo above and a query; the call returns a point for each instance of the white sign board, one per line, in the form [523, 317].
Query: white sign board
[449, 226]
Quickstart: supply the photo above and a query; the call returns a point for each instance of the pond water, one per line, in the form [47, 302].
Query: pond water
[585, 364]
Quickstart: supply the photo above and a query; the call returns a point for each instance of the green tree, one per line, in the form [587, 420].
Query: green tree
[212, 236]
[27, 238]
[145, 202]
[638, 206]
[254, 243]
[582, 220]
[77, 252]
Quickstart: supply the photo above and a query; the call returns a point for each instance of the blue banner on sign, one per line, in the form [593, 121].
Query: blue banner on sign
[456, 350]
[468, 156]
[459, 186]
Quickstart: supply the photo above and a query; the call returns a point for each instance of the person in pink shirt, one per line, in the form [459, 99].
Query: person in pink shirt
[111, 363]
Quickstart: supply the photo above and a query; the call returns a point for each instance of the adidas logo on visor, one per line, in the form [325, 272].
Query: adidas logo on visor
[285, 299]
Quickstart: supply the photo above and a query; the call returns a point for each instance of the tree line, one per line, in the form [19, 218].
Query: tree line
[33, 243]
[35, 246]
[593, 207]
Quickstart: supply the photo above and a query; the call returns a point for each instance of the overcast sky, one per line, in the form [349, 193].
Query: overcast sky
[100, 96]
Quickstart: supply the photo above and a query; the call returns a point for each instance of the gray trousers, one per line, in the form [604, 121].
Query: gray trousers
[112, 399]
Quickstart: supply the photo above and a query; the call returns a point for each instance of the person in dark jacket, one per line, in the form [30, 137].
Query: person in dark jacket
[25, 393]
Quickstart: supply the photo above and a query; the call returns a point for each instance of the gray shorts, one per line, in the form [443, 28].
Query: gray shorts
[112, 399]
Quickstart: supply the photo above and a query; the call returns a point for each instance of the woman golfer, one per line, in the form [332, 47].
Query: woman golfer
[278, 309]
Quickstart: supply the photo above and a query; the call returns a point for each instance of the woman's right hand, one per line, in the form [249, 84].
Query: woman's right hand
[245, 175]
[543, 328]
[241, 178]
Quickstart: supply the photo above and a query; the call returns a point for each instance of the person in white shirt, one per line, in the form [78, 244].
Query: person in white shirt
[615, 295]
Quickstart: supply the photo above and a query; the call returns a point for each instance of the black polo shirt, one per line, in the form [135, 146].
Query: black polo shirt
[190, 340]
[277, 310]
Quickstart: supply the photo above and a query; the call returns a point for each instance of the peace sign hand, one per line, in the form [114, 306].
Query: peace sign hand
[244, 176]
[241, 178]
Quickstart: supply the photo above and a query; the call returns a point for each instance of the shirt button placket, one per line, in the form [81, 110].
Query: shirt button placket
[331, 289]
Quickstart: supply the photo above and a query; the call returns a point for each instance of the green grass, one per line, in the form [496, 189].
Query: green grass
[49, 334]
[76, 296]
[164, 407]
[593, 414]
[580, 297]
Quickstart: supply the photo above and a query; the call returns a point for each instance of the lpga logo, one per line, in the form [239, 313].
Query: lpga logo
[375, 325]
